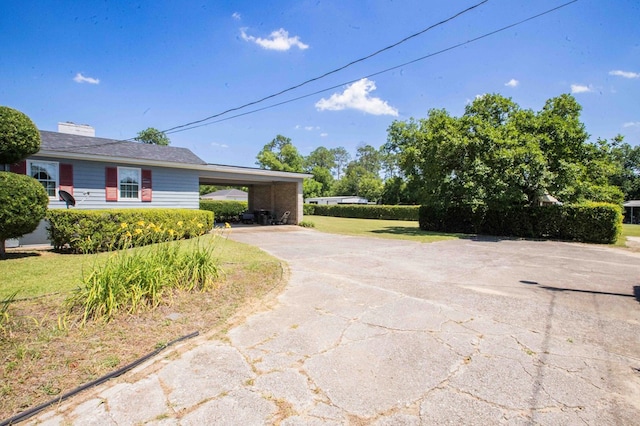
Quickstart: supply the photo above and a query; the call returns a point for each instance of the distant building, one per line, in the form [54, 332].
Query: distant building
[227, 195]
[632, 211]
[548, 200]
[344, 199]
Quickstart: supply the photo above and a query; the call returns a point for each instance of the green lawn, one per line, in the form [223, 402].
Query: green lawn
[394, 229]
[407, 230]
[35, 273]
[630, 230]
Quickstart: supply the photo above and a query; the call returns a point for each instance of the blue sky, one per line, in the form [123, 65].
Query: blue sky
[124, 66]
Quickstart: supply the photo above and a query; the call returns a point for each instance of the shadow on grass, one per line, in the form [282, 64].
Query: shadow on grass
[417, 232]
[21, 254]
[414, 232]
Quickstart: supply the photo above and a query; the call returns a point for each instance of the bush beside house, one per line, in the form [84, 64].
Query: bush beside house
[23, 200]
[90, 231]
[23, 204]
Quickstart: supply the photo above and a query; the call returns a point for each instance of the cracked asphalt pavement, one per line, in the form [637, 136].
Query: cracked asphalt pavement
[390, 332]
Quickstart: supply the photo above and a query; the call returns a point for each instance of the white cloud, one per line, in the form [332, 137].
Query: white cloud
[512, 83]
[480, 96]
[625, 74]
[278, 40]
[324, 135]
[356, 96]
[236, 16]
[307, 128]
[632, 124]
[219, 145]
[79, 78]
[580, 88]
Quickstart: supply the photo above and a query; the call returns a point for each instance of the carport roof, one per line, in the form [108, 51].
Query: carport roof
[218, 174]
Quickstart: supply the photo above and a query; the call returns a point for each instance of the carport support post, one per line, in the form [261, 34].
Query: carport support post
[299, 203]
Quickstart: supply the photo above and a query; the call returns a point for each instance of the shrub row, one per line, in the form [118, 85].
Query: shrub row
[225, 211]
[364, 211]
[309, 209]
[91, 231]
[591, 222]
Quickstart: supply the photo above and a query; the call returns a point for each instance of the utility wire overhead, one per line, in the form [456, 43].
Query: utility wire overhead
[195, 124]
[332, 71]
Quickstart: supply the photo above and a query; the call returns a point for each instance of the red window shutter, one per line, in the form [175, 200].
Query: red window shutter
[19, 167]
[146, 185]
[111, 183]
[66, 178]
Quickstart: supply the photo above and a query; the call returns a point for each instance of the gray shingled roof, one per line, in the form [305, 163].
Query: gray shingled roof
[77, 144]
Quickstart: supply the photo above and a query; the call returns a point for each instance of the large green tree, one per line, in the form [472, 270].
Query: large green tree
[152, 136]
[320, 157]
[319, 163]
[23, 200]
[280, 154]
[369, 158]
[342, 158]
[627, 161]
[497, 154]
[359, 181]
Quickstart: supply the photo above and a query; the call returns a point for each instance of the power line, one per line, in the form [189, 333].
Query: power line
[430, 55]
[332, 71]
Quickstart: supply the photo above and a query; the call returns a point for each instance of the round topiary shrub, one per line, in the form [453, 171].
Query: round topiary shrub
[19, 136]
[23, 204]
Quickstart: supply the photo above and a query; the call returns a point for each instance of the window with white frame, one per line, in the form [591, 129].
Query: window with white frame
[129, 183]
[45, 172]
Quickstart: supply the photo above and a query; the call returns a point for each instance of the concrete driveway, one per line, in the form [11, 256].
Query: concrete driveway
[389, 332]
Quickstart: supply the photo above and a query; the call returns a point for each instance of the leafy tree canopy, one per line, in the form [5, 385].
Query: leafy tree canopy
[320, 157]
[19, 136]
[369, 158]
[152, 136]
[359, 181]
[342, 158]
[280, 154]
[627, 162]
[497, 154]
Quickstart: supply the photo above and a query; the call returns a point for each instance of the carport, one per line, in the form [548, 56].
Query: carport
[270, 190]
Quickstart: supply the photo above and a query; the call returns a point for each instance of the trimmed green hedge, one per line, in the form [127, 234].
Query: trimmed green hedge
[309, 209]
[367, 211]
[90, 231]
[590, 222]
[225, 211]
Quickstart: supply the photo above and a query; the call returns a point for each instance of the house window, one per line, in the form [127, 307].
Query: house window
[45, 172]
[129, 183]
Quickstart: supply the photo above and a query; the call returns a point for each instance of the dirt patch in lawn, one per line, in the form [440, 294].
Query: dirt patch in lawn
[44, 354]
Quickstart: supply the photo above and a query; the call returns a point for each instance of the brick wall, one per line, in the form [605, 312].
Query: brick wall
[278, 198]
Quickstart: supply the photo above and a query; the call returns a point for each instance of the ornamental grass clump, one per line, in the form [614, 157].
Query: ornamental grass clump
[4, 313]
[135, 279]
